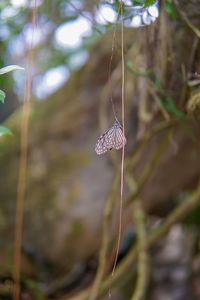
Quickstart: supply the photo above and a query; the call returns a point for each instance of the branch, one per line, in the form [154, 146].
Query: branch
[109, 207]
[187, 21]
[149, 168]
[176, 216]
[105, 240]
[143, 260]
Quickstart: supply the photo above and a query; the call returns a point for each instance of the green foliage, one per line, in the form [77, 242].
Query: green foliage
[171, 9]
[157, 84]
[4, 131]
[34, 288]
[136, 72]
[149, 2]
[138, 2]
[144, 3]
[7, 69]
[10, 68]
[193, 217]
[2, 96]
[169, 104]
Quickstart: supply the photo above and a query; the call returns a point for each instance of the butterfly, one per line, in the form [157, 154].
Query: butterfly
[112, 138]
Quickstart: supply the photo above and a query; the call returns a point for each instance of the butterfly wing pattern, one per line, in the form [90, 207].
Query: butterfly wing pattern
[113, 138]
[100, 147]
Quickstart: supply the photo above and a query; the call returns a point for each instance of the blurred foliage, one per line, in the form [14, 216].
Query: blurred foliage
[169, 104]
[5, 70]
[141, 3]
[15, 21]
[10, 69]
[51, 14]
[134, 2]
[193, 217]
[5, 131]
[135, 72]
[171, 9]
[2, 96]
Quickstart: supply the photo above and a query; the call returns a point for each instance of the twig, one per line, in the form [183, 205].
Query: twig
[105, 240]
[143, 260]
[19, 218]
[107, 213]
[80, 12]
[187, 21]
[148, 170]
[152, 90]
[134, 188]
[178, 214]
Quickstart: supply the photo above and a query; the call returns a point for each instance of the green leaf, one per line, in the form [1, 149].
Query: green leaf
[157, 84]
[138, 2]
[5, 131]
[169, 104]
[10, 69]
[2, 96]
[171, 9]
[193, 218]
[136, 72]
[149, 2]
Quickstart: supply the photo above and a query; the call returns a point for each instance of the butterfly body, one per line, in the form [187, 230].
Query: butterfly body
[113, 138]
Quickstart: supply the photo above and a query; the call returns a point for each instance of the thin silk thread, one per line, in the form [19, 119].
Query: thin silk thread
[109, 70]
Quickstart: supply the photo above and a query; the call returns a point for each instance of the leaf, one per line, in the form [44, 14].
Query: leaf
[149, 2]
[137, 72]
[169, 104]
[10, 69]
[138, 2]
[2, 96]
[193, 218]
[171, 9]
[5, 131]
[157, 84]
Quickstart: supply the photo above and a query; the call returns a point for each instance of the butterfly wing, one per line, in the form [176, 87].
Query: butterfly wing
[109, 138]
[119, 139]
[112, 138]
[100, 147]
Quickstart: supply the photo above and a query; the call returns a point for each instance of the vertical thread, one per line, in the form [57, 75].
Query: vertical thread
[122, 159]
[23, 167]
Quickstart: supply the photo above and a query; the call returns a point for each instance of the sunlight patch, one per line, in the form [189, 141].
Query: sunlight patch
[70, 34]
